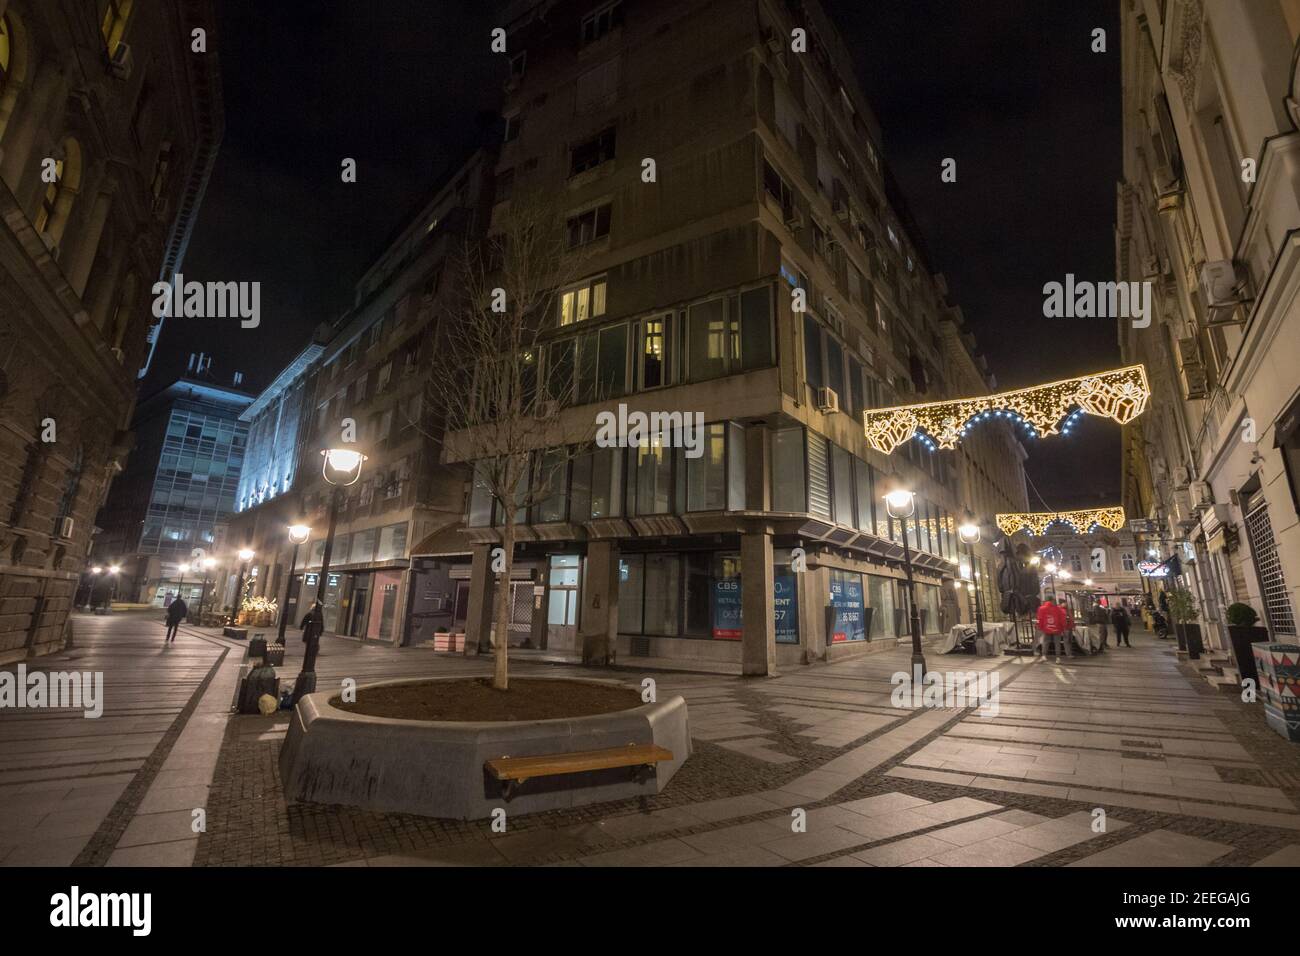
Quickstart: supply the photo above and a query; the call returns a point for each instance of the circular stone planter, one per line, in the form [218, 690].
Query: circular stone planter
[435, 767]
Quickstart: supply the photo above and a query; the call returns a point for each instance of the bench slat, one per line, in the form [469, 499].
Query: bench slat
[546, 765]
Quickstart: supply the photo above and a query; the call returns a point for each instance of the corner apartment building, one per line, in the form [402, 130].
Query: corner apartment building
[109, 126]
[177, 492]
[769, 179]
[1209, 214]
[364, 378]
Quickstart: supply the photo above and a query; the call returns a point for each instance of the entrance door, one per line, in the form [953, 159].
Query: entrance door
[562, 604]
[360, 606]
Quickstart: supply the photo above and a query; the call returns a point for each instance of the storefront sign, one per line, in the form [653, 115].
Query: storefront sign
[1153, 569]
[785, 601]
[726, 609]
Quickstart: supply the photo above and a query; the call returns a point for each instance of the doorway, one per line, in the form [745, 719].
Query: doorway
[562, 601]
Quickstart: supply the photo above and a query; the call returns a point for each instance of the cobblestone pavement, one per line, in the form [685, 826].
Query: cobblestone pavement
[1185, 775]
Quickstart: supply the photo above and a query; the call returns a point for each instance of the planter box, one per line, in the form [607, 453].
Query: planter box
[1279, 684]
[435, 768]
[1192, 637]
[1242, 638]
[454, 643]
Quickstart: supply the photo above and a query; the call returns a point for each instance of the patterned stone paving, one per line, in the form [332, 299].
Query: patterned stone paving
[815, 767]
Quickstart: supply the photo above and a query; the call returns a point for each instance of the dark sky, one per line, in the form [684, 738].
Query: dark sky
[1009, 88]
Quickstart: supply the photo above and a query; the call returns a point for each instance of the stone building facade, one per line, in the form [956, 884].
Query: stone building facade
[1209, 215]
[109, 125]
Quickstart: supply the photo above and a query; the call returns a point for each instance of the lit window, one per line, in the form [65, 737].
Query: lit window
[590, 225]
[5, 52]
[583, 301]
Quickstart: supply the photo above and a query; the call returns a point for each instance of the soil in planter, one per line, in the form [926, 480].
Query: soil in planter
[472, 700]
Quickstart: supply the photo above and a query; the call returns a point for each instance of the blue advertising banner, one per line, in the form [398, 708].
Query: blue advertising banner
[726, 609]
[846, 599]
[785, 600]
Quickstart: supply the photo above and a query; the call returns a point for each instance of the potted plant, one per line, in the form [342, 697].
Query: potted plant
[1244, 631]
[1182, 613]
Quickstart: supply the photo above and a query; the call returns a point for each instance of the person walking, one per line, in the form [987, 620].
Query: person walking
[1119, 619]
[1052, 624]
[176, 612]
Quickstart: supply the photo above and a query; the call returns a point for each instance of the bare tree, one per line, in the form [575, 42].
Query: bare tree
[491, 402]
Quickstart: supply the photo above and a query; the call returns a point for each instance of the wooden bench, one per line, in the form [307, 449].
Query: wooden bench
[514, 771]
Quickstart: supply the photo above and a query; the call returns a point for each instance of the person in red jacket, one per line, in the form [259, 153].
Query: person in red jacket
[1052, 623]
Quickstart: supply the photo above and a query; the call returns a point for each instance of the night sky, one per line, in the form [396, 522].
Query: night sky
[1009, 88]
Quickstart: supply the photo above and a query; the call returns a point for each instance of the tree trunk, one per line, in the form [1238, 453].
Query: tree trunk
[500, 678]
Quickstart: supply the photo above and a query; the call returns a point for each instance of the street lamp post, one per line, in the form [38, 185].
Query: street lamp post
[298, 533]
[969, 533]
[208, 564]
[245, 555]
[341, 469]
[901, 503]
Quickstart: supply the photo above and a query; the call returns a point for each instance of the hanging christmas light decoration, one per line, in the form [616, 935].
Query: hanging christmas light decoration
[1120, 394]
[1083, 521]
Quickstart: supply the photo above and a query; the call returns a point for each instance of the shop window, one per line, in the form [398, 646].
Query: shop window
[631, 584]
[663, 594]
[846, 600]
[785, 600]
[880, 597]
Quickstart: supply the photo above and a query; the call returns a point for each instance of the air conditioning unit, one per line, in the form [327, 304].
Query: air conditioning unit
[1181, 476]
[827, 400]
[841, 209]
[1221, 288]
[121, 61]
[795, 220]
[1202, 495]
[65, 528]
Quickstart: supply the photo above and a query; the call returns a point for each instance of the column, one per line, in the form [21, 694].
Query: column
[758, 641]
[478, 620]
[599, 628]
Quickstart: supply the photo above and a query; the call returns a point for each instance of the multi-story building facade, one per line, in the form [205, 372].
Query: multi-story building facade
[177, 493]
[1100, 563]
[109, 125]
[1209, 215]
[364, 384]
[769, 194]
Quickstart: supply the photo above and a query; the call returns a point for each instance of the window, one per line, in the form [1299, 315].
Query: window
[775, 186]
[842, 485]
[1126, 560]
[601, 364]
[583, 301]
[597, 88]
[863, 481]
[591, 153]
[656, 346]
[49, 199]
[114, 23]
[382, 378]
[706, 480]
[590, 225]
[788, 471]
[519, 63]
[1075, 564]
[551, 480]
[709, 340]
[1099, 560]
[601, 22]
[814, 369]
[6, 51]
[514, 124]
[650, 483]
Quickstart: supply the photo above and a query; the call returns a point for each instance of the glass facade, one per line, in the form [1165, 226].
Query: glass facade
[195, 486]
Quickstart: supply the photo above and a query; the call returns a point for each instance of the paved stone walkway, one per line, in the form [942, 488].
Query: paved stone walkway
[1125, 759]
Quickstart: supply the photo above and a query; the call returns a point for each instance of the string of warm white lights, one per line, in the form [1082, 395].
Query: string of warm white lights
[1120, 394]
[1083, 521]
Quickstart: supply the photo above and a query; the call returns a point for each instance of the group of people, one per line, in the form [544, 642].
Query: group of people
[1056, 626]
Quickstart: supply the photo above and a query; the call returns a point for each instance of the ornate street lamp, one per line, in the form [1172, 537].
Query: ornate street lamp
[341, 469]
[900, 504]
[969, 533]
[298, 535]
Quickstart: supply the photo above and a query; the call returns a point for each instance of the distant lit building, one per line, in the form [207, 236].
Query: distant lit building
[178, 490]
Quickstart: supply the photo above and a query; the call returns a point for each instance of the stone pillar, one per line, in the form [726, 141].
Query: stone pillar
[813, 586]
[758, 640]
[478, 619]
[599, 628]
